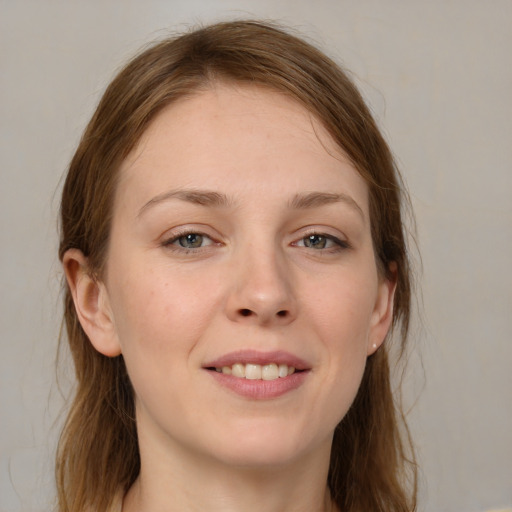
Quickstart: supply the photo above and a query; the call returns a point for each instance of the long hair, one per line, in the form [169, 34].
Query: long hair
[98, 452]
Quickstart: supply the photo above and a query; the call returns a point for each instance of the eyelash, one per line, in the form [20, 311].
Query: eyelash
[339, 245]
[173, 242]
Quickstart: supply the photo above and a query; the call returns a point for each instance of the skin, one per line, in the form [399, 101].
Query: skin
[252, 283]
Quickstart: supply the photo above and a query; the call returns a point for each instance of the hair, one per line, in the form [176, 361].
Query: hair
[372, 460]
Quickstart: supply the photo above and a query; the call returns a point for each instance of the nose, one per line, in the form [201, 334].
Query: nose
[262, 289]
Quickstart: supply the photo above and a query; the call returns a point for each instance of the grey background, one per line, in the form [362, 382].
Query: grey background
[438, 75]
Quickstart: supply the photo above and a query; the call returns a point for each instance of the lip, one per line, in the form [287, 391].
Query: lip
[258, 357]
[259, 389]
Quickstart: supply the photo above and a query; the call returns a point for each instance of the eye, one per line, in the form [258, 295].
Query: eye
[316, 241]
[189, 241]
[320, 241]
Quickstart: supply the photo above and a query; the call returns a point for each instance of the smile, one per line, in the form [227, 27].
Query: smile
[270, 371]
[257, 375]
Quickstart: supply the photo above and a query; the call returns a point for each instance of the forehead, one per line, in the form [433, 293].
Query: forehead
[230, 137]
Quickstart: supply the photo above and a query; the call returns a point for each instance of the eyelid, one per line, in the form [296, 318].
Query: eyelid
[341, 242]
[170, 237]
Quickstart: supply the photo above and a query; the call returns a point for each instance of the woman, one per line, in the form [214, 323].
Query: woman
[234, 251]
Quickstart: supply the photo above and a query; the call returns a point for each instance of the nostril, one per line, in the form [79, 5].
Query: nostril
[282, 313]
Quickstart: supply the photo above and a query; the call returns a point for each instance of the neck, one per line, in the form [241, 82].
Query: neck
[179, 480]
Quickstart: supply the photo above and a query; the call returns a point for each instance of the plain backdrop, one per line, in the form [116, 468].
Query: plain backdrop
[438, 76]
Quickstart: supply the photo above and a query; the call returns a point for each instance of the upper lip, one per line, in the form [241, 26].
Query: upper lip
[258, 357]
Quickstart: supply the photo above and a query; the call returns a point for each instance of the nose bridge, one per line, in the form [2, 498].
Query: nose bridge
[262, 286]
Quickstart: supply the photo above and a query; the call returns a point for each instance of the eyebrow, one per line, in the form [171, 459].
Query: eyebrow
[316, 199]
[200, 197]
[218, 199]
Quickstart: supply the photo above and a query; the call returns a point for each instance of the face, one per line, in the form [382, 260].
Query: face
[241, 285]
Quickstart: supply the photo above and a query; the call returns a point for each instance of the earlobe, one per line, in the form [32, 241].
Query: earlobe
[91, 304]
[382, 316]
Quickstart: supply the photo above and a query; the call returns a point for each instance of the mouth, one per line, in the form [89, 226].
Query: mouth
[259, 374]
[253, 371]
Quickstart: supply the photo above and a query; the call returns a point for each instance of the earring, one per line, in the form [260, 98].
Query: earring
[375, 346]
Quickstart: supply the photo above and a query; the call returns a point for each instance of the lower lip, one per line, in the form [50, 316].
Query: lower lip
[260, 389]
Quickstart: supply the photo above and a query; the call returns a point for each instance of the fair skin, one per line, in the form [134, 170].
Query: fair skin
[240, 241]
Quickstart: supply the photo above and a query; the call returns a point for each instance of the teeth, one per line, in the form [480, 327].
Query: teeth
[238, 370]
[270, 371]
[253, 371]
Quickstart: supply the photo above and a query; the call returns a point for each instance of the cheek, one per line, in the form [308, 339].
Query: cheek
[160, 311]
[342, 316]
[343, 309]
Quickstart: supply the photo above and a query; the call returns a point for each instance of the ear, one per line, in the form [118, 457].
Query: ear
[91, 303]
[382, 315]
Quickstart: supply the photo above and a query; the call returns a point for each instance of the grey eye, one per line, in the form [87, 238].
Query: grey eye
[191, 241]
[315, 241]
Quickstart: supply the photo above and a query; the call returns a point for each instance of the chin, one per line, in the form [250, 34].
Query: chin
[259, 459]
[266, 445]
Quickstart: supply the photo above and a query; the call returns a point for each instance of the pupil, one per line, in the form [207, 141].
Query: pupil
[315, 241]
[191, 240]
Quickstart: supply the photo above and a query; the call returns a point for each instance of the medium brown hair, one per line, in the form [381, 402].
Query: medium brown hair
[98, 452]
